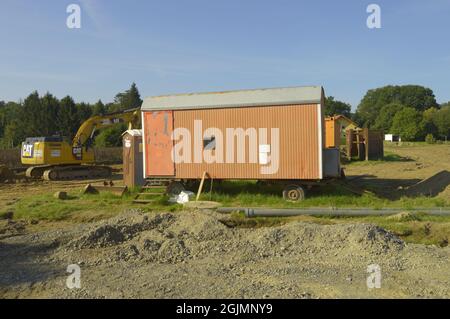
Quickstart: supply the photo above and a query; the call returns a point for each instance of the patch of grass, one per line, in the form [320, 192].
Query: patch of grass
[83, 208]
[388, 157]
[238, 219]
[252, 194]
[413, 144]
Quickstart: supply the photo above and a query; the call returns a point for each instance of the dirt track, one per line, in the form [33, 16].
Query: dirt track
[415, 164]
[193, 254]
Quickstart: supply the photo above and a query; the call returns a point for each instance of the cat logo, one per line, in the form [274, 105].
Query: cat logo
[27, 150]
[77, 152]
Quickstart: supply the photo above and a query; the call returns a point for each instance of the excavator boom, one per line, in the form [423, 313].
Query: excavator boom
[88, 128]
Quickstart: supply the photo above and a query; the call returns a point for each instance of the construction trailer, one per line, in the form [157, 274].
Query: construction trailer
[280, 131]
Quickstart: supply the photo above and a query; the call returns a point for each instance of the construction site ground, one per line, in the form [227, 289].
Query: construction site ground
[140, 251]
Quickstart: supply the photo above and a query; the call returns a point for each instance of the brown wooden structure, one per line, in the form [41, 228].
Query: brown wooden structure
[133, 173]
[364, 144]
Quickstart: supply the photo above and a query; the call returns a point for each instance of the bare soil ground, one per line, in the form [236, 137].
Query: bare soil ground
[410, 165]
[193, 254]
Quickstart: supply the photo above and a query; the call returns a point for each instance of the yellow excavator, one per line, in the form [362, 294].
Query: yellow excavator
[51, 158]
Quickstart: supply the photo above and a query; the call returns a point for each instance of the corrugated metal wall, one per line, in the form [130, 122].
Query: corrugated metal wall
[299, 140]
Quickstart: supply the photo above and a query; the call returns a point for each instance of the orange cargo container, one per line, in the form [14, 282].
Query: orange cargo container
[266, 134]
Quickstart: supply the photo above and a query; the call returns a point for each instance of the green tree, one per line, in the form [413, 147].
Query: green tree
[428, 119]
[407, 124]
[386, 116]
[67, 119]
[14, 134]
[99, 108]
[442, 121]
[335, 107]
[127, 100]
[32, 116]
[39, 114]
[355, 117]
[47, 116]
[84, 111]
[11, 125]
[417, 97]
[111, 107]
[111, 136]
[2, 118]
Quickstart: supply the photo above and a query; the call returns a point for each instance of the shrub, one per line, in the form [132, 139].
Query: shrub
[430, 139]
[111, 136]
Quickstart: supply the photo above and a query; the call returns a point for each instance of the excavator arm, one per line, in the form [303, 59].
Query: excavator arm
[86, 131]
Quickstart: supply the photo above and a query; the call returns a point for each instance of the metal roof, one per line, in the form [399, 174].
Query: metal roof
[240, 98]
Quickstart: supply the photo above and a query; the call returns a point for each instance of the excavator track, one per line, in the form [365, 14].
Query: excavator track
[36, 172]
[58, 173]
[68, 172]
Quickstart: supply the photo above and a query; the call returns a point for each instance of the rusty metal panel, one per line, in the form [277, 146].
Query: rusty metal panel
[158, 128]
[299, 140]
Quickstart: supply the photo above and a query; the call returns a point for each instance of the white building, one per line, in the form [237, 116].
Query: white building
[392, 138]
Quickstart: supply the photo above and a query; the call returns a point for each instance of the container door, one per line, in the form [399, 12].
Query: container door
[158, 143]
[127, 161]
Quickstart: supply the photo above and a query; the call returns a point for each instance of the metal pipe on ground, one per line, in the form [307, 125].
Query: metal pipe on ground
[278, 212]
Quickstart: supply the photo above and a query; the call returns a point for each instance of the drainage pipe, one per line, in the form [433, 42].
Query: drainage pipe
[277, 212]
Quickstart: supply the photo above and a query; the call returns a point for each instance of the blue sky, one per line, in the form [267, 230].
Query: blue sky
[198, 45]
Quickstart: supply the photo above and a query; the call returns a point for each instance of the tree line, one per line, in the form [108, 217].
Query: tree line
[47, 116]
[410, 111]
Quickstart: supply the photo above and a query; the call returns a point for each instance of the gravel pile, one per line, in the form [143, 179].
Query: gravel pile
[194, 254]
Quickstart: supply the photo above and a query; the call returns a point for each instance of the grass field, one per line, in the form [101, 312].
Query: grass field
[251, 194]
[80, 207]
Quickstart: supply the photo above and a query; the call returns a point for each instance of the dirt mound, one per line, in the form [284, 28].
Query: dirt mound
[431, 186]
[119, 229]
[162, 238]
[331, 244]
[172, 251]
[177, 237]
